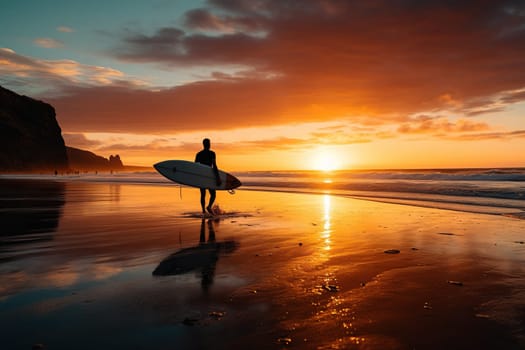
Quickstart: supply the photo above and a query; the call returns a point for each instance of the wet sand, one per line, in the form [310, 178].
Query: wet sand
[126, 266]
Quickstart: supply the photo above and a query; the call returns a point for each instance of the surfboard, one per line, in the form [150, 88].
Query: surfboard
[195, 175]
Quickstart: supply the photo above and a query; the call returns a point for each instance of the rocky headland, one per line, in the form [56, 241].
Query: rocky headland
[31, 140]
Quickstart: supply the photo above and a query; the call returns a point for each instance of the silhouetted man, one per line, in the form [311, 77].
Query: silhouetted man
[207, 157]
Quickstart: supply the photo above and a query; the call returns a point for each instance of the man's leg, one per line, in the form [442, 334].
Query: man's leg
[203, 199]
[213, 193]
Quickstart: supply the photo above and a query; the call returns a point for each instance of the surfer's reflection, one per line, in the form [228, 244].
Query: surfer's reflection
[211, 231]
[201, 258]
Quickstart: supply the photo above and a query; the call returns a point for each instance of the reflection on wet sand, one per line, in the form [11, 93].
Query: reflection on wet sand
[311, 273]
[201, 258]
[30, 211]
[327, 226]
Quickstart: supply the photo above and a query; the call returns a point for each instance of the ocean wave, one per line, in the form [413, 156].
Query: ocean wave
[499, 188]
[471, 189]
[508, 174]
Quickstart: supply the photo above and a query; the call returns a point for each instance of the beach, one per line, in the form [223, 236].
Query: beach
[113, 265]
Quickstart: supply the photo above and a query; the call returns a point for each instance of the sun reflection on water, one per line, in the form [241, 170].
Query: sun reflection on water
[327, 231]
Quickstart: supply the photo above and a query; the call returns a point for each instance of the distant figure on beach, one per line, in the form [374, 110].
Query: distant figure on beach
[207, 157]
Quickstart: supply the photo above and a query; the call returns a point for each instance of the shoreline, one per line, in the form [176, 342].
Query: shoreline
[480, 205]
[402, 198]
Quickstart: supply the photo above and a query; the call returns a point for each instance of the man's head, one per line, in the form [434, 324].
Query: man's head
[206, 143]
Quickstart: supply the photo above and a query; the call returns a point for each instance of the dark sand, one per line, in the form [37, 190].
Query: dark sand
[123, 266]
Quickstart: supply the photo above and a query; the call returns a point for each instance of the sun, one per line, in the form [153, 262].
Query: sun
[325, 159]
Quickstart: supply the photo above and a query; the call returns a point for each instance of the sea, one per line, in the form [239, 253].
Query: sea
[492, 191]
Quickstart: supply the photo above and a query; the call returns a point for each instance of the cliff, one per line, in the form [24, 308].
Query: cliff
[30, 137]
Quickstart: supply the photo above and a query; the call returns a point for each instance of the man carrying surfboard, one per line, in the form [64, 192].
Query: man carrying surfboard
[207, 157]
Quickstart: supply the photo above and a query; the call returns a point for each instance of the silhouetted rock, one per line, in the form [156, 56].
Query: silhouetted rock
[115, 162]
[30, 137]
[85, 160]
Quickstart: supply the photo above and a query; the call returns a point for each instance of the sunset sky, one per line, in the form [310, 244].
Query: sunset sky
[277, 84]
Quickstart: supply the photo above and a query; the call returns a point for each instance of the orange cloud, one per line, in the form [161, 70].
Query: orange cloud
[436, 125]
[79, 141]
[508, 135]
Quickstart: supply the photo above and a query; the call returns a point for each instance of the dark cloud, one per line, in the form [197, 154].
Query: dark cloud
[202, 19]
[514, 97]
